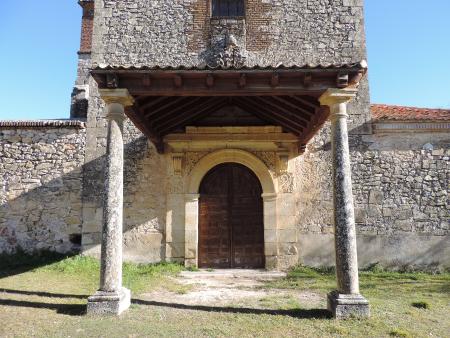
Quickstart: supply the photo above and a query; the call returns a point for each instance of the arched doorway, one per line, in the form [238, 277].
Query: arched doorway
[231, 224]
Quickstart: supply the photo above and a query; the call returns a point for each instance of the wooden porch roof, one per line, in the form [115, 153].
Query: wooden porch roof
[167, 99]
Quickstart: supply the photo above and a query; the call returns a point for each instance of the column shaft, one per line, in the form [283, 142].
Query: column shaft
[344, 217]
[111, 255]
[112, 298]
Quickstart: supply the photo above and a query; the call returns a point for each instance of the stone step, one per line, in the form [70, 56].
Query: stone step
[233, 273]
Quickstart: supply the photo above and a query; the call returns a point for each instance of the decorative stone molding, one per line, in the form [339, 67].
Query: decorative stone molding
[191, 159]
[406, 126]
[286, 183]
[334, 97]
[231, 155]
[282, 162]
[117, 95]
[177, 163]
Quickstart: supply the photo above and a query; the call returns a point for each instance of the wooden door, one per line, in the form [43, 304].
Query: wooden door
[231, 229]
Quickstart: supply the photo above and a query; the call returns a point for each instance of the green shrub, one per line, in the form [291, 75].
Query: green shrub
[399, 333]
[421, 305]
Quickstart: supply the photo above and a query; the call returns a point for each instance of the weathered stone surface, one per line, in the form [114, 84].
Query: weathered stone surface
[335, 33]
[344, 306]
[109, 303]
[41, 171]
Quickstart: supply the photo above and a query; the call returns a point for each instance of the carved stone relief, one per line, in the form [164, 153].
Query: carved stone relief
[286, 183]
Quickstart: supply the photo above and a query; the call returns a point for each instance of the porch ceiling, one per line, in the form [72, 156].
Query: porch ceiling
[167, 100]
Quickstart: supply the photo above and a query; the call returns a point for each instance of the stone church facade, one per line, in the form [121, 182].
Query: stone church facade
[204, 84]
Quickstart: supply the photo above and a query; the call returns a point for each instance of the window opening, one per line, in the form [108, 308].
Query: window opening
[227, 8]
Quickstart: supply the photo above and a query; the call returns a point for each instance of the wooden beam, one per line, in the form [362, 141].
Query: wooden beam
[293, 112]
[152, 102]
[177, 110]
[178, 81]
[248, 90]
[112, 80]
[342, 80]
[319, 120]
[275, 80]
[209, 80]
[307, 80]
[169, 102]
[242, 81]
[281, 113]
[135, 115]
[266, 116]
[187, 115]
[263, 107]
[146, 80]
[203, 113]
[297, 106]
[305, 102]
[263, 114]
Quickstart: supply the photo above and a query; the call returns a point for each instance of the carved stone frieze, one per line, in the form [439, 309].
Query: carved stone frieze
[191, 159]
[268, 157]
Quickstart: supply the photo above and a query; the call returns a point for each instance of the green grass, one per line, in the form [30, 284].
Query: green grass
[138, 278]
[45, 296]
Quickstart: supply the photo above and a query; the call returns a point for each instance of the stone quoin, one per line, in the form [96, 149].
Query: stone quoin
[167, 93]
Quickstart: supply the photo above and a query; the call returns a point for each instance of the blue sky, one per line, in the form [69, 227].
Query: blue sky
[408, 46]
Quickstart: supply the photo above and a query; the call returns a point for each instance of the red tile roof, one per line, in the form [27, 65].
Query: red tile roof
[382, 112]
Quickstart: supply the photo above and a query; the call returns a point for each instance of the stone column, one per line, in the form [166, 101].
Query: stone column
[345, 301]
[112, 298]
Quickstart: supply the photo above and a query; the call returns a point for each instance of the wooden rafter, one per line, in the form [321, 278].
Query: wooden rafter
[276, 120]
[293, 112]
[167, 100]
[279, 114]
[190, 115]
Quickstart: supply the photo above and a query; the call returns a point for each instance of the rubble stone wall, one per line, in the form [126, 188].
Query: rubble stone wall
[41, 172]
[400, 187]
[164, 32]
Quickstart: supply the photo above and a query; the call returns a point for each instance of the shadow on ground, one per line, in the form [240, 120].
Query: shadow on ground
[21, 262]
[297, 313]
[80, 309]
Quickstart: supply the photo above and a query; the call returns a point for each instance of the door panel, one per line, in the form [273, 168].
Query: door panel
[231, 230]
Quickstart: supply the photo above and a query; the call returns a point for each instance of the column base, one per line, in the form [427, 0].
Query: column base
[109, 303]
[344, 306]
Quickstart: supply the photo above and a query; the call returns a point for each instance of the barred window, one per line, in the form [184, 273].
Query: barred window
[227, 8]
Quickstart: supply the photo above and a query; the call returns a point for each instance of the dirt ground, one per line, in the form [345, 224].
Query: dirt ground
[230, 288]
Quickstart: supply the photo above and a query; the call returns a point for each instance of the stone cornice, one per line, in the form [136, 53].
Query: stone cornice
[411, 126]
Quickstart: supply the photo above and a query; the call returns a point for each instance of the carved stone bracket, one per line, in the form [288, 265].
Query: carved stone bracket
[177, 163]
[282, 162]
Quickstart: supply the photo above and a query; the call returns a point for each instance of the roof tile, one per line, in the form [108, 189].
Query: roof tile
[383, 112]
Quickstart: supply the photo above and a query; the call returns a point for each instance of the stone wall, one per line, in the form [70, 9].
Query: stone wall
[144, 189]
[136, 33]
[400, 186]
[41, 170]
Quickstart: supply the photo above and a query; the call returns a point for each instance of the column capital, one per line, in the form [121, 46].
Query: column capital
[334, 96]
[118, 95]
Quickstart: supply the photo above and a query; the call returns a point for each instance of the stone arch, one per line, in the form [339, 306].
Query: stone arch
[191, 211]
[231, 155]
